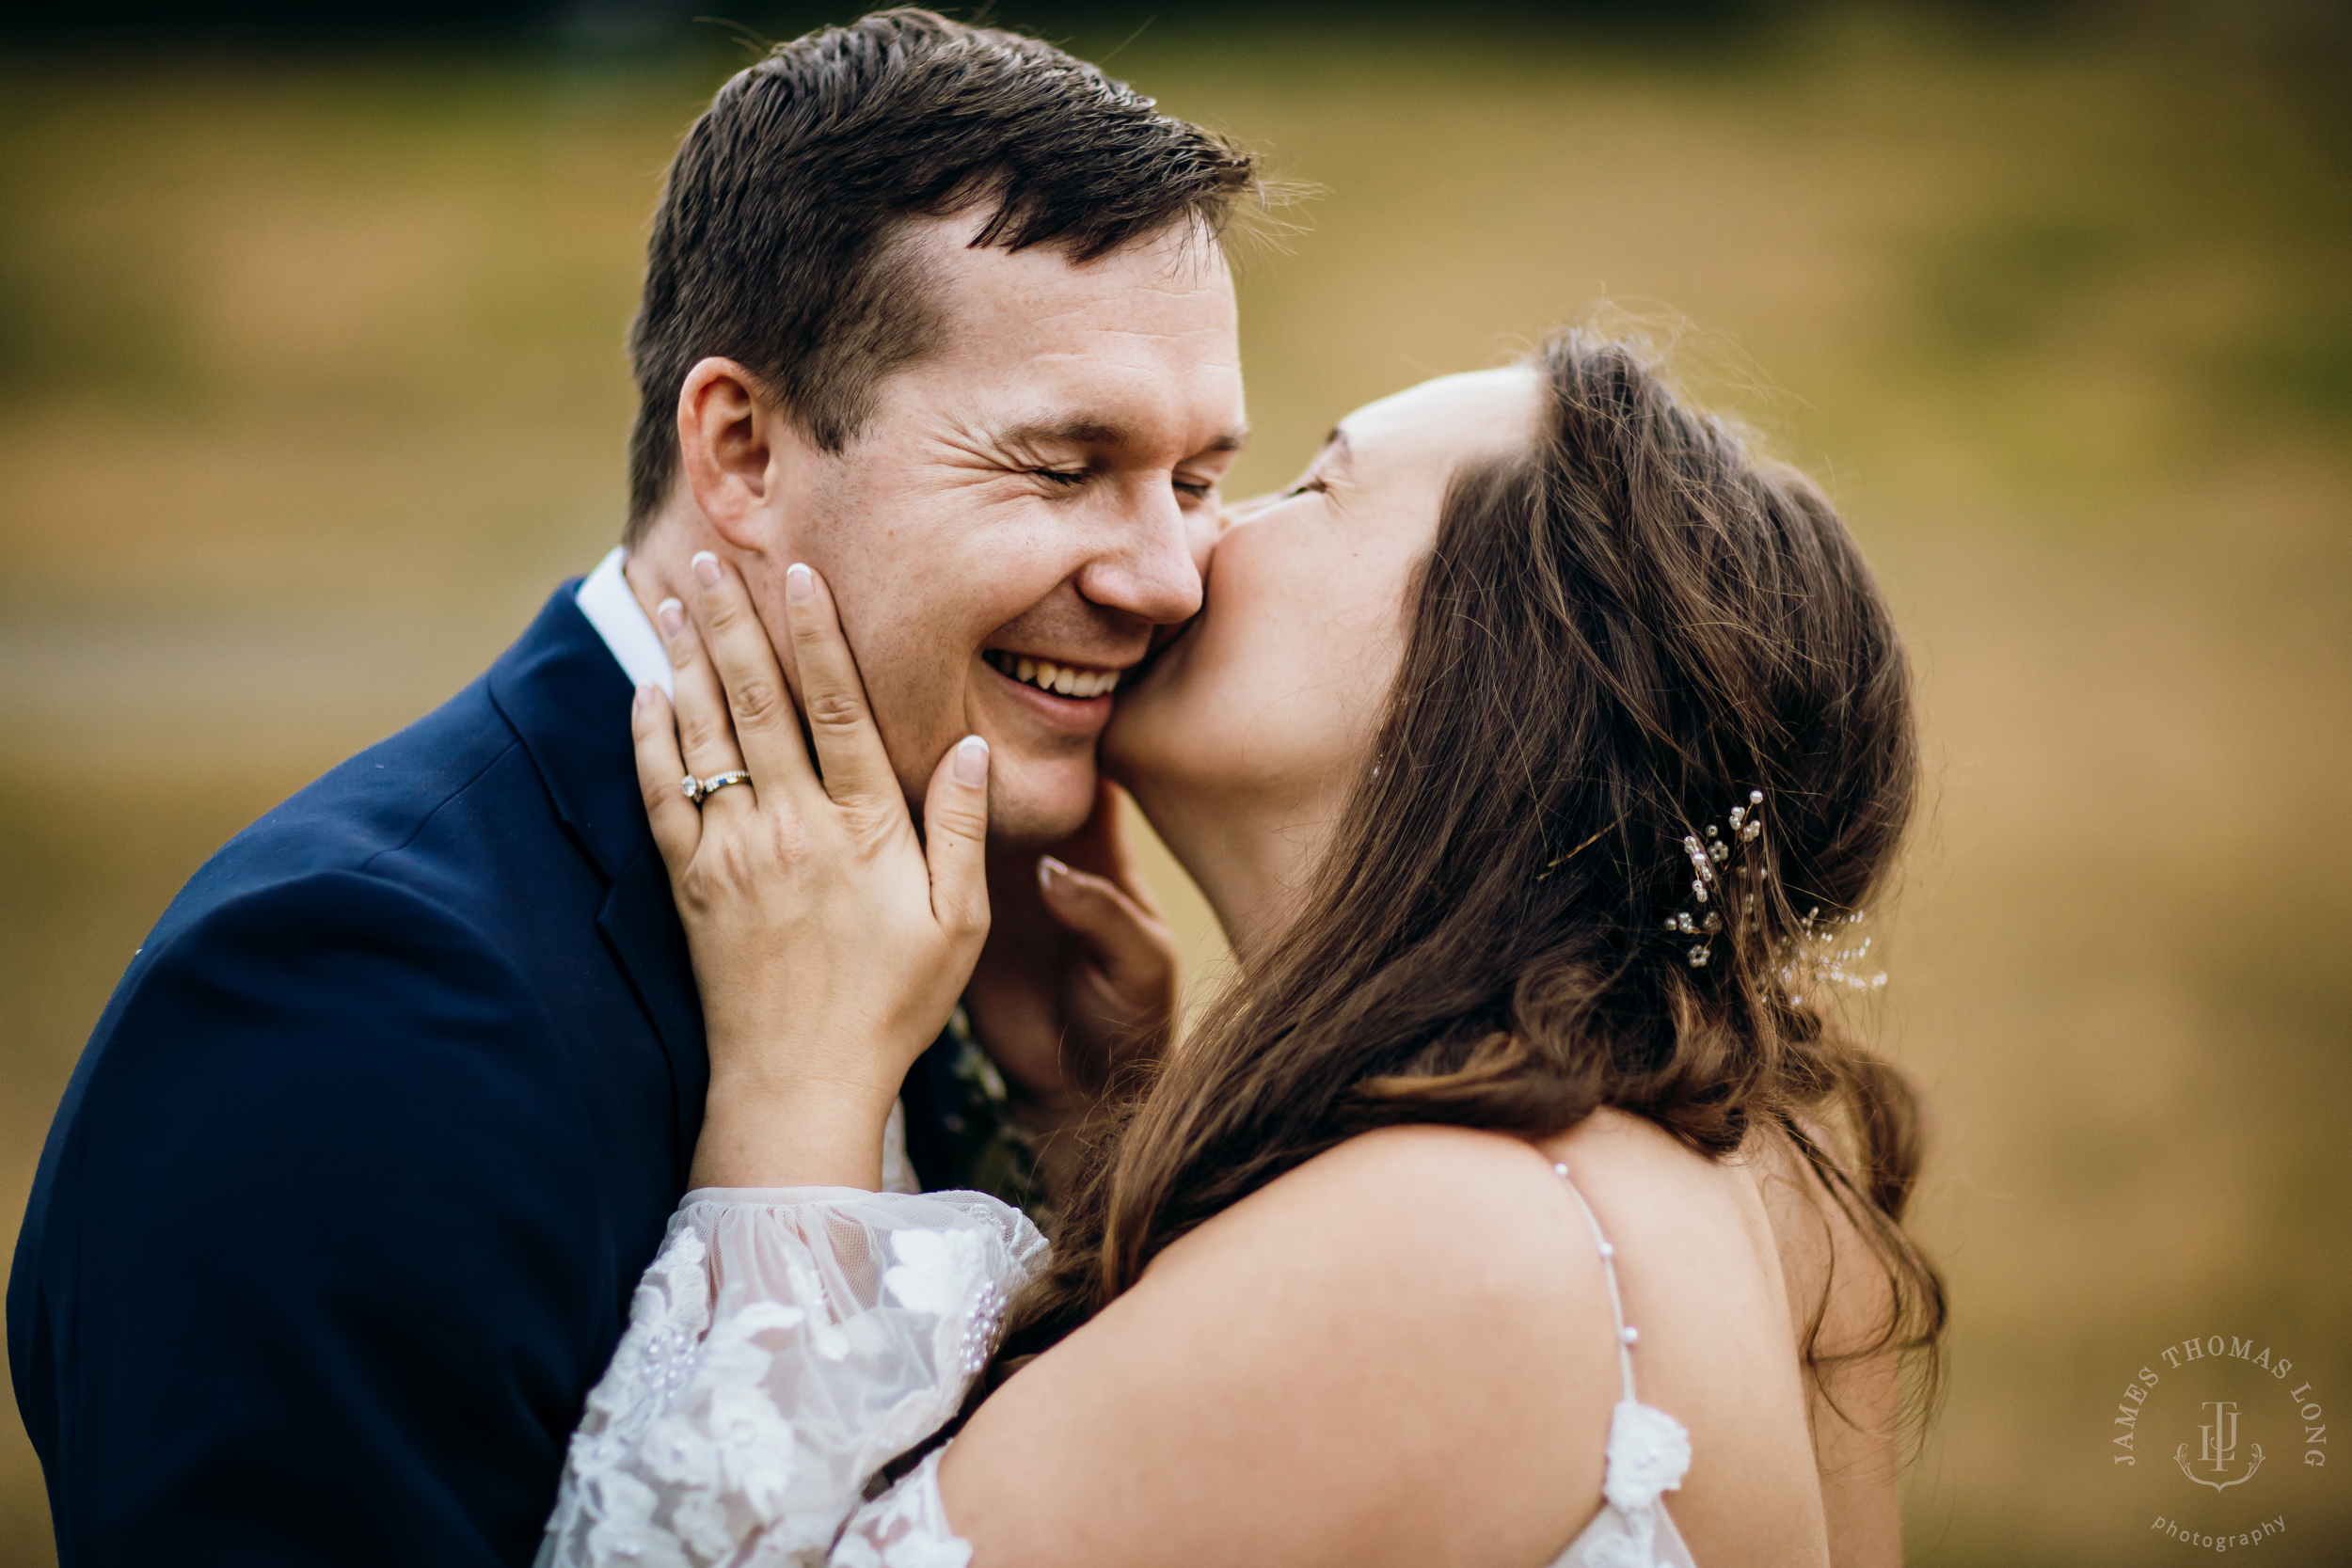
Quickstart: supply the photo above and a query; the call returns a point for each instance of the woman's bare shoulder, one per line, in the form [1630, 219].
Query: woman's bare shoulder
[1449, 1265]
[1402, 1192]
[1401, 1352]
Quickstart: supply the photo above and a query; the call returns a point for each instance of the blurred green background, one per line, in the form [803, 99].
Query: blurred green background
[312, 388]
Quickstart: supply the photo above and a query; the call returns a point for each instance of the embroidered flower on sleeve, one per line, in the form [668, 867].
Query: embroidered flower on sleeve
[700, 1521]
[624, 1530]
[656, 1356]
[763, 1316]
[904, 1528]
[677, 1451]
[825, 1337]
[755, 1447]
[936, 1269]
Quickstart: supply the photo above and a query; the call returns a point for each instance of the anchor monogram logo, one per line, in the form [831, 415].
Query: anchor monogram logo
[2220, 1449]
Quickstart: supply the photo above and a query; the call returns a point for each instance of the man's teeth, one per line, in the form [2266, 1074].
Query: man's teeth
[1063, 679]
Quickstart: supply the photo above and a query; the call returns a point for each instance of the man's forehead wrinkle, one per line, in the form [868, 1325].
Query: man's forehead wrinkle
[1047, 330]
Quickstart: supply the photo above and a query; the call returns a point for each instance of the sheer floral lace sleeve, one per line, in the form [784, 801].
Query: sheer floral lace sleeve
[784, 1346]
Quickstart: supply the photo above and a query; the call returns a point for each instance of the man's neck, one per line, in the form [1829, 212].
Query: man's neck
[647, 584]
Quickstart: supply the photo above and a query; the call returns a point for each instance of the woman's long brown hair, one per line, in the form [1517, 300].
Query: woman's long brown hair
[1616, 636]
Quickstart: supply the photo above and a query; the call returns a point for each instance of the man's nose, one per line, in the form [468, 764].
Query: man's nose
[1150, 560]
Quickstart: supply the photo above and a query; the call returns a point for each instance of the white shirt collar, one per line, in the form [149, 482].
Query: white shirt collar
[613, 609]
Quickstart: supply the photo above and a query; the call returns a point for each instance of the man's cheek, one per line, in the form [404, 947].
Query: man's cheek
[906, 698]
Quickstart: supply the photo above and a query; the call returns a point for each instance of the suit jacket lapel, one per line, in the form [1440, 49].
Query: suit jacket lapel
[564, 693]
[640, 922]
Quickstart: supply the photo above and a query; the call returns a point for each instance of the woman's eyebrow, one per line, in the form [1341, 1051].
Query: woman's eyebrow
[1338, 451]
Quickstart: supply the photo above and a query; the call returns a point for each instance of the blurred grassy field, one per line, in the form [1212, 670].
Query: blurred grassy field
[310, 388]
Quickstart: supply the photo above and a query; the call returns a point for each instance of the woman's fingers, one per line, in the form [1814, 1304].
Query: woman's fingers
[766, 727]
[955, 839]
[1109, 825]
[1133, 946]
[706, 734]
[678, 827]
[1102, 846]
[849, 750]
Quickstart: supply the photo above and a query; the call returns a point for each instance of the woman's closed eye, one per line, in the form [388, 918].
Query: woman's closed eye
[1313, 486]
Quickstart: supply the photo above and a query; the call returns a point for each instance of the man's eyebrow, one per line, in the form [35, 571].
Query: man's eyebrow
[1094, 433]
[1074, 432]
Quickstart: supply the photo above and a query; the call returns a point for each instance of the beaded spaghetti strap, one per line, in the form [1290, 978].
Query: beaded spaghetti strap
[1627, 1336]
[1648, 1452]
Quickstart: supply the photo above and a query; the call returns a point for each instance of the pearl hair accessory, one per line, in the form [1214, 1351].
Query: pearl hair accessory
[1813, 959]
[1807, 962]
[1821, 955]
[1709, 856]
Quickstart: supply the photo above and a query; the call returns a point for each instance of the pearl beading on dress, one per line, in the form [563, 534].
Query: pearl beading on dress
[1627, 1336]
[1648, 1451]
[979, 1329]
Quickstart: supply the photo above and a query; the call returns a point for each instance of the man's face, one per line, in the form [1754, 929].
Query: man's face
[1026, 505]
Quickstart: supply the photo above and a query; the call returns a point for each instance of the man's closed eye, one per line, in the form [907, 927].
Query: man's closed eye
[1070, 478]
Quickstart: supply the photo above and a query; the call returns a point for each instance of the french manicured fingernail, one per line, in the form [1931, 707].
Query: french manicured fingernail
[1049, 871]
[972, 762]
[800, 583]
[672, 615]
[705, 568]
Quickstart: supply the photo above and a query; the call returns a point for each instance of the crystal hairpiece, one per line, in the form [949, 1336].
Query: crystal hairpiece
[1708, 856]
[1808, 961]
[1812, 957]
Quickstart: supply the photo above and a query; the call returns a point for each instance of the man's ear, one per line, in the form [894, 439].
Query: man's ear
[728, 441]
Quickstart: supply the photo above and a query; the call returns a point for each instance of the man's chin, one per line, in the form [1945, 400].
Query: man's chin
[1038, 807]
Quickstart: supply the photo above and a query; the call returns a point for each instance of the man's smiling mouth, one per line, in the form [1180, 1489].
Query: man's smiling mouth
[1063, 680]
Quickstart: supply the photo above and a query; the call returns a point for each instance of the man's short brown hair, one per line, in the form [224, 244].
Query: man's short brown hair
[772, 245]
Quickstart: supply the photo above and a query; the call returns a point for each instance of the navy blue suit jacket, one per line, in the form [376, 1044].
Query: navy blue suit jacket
[339, 1217]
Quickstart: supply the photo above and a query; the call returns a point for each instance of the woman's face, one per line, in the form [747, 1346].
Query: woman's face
[1267, 701]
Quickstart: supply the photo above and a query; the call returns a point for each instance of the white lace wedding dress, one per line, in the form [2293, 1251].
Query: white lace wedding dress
[786, 1345]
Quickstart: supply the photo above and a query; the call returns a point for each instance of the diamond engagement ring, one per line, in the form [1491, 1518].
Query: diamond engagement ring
[699, 790]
